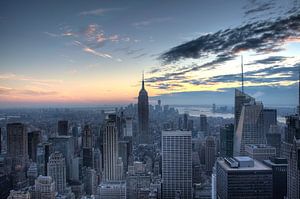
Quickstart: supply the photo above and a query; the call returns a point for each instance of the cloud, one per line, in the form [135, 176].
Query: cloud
[92, 51]
[99, 54]
[269, 60]
[99, 11]
[261, 37]
[151, 21]
[274, 74]
[258, 6]
[6, 91]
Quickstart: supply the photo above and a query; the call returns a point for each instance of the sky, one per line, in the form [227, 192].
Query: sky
[57, 53]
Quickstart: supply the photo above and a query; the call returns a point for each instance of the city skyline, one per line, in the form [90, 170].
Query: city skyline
[89, 54]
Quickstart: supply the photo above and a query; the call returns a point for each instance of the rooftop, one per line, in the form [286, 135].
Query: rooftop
[245, 163]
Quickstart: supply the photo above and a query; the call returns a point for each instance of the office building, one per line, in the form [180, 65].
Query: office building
[269, 118]
[32, 173]
[34, 139]
[65, 145]
[110, 150]
[226, 140]
[260, 152]
[57, 170]
[112, 190]
[90, 181]
[63, 127]
[250, 128]
[291, 151]
[87, 137]
[44, 188]
[17, 142]
[43, 153]
[210, 153]
[203, 125]
[243, 177]
[176, 164]
[19, 195]
[273, 138]
[279, 175]
[240, 99]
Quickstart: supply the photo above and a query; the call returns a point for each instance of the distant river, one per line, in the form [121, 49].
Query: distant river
[197, 110]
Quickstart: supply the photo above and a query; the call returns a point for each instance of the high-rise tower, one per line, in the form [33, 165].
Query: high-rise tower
[176, 164]
[57, 170]
[291, 151]
[143, 115]
[17, 143]
[110, 151]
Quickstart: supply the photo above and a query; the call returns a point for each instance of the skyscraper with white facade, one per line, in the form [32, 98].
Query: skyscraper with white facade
[176, 164]
[110, 150]
[57, 170]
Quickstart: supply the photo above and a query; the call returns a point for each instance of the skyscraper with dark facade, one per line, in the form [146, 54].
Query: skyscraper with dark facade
[203, 124]
[87, 147]
[243, 177]
[226, 140]
[279, 172]
[34, 139]
[143, 115]
[17, 144]
[62, 127]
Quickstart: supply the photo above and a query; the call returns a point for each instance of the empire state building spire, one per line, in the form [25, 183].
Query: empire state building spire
[143, 114]
[143, 81]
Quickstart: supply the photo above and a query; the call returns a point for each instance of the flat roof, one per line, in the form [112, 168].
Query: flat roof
[258, 166]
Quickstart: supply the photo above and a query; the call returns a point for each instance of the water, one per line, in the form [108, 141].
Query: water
[197, 110]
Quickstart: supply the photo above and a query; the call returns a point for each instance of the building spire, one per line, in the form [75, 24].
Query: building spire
[143, 81]
[242, 67]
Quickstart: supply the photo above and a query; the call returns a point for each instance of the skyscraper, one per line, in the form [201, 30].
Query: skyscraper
[110, 150]
[273, 138]
[34, 138]
[291, 151]
[65, 145]
[250, 127]
[176, 164]
[87, 147]
[240, 99]
[279, 168]
[203, 124]
[143, 115]
[226, 140]
[269, 118]
[57, 170]
[62, 127]
[243, 177]
[17, 143]
[87, 137]
[185, 121]
[210, 153]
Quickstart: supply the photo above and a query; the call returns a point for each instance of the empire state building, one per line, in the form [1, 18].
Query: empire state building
[143, 115]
